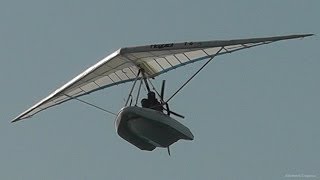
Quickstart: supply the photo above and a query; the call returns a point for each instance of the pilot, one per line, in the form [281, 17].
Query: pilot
[151, 102]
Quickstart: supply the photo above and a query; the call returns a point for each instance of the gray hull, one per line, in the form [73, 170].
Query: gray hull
[148, 129]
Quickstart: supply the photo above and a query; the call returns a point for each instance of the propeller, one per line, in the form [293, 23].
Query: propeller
[165, 103]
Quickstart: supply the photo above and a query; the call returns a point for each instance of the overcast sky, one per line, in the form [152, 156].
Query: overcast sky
[254, 113]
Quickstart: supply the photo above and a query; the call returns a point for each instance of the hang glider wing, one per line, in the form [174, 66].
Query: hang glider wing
[123, 66]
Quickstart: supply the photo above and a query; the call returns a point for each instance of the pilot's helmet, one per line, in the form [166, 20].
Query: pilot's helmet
[151, 95]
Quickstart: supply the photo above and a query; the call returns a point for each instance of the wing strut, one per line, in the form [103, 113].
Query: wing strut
[211, 57]
[138, 94]
[145, 81]
[134, 84]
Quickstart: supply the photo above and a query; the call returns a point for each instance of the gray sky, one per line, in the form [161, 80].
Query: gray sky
[254, 113]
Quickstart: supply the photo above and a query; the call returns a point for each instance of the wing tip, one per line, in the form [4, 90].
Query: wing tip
[306, 35]
[295, 36]
[14, 120]
[19, 118]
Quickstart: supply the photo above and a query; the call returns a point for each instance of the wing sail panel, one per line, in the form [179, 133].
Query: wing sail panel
[123, 66]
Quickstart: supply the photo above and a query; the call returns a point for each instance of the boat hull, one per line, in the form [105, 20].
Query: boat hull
[147, 128]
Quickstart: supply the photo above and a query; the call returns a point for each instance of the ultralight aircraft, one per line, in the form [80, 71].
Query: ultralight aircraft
[150, 125]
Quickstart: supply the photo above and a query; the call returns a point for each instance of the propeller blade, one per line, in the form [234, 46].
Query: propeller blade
[166, 104]
[168, 110]
[162, 90]
[174, 113]
[168, 148]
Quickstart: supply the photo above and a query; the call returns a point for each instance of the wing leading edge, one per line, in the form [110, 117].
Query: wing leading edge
[123, 66]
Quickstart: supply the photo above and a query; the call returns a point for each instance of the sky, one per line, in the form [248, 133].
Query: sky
[254, 113]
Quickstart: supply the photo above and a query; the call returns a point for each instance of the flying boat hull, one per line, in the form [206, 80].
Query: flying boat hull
[147, 128]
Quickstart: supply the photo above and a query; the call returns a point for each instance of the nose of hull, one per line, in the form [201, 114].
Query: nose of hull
[148, 129]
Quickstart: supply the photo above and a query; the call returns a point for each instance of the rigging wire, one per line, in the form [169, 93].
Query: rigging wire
[92, 105]
[211, 57]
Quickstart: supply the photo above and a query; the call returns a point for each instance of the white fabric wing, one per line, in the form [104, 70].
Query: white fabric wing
[123, 66]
